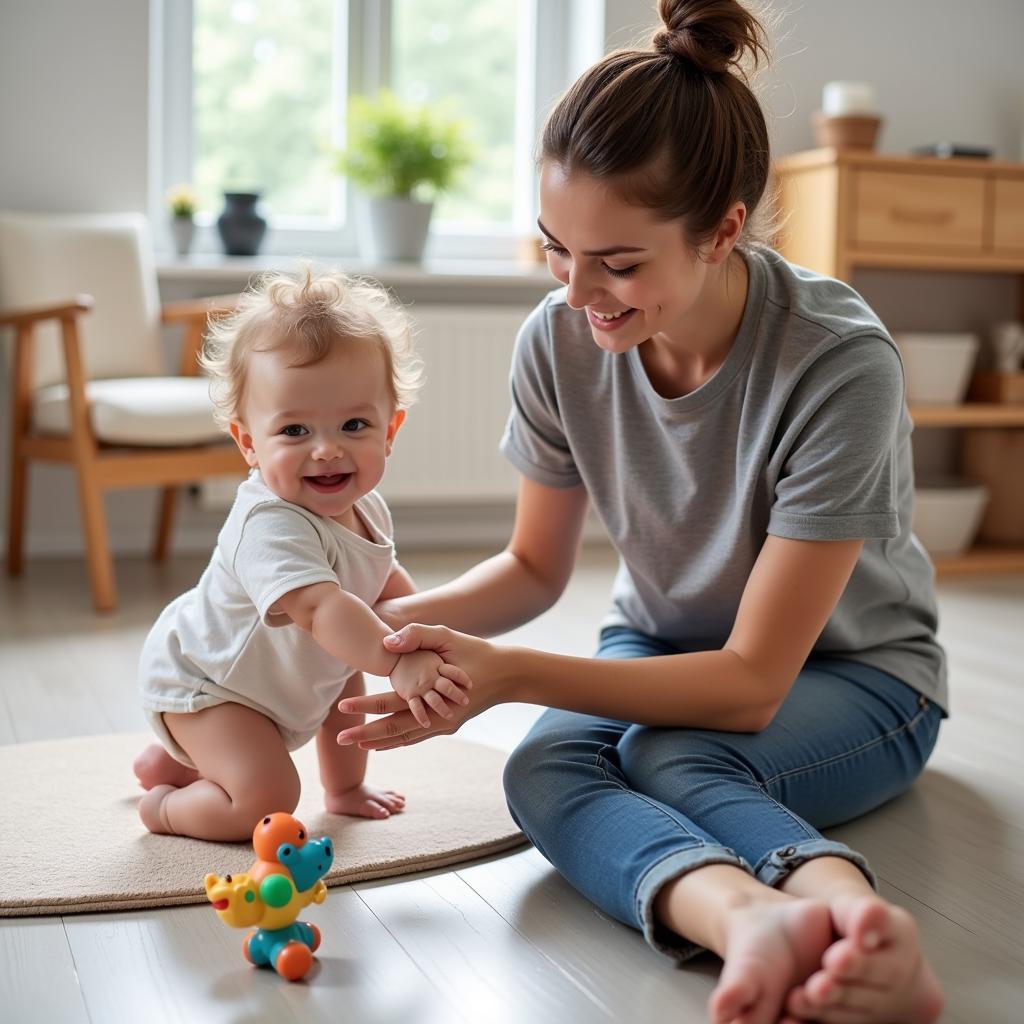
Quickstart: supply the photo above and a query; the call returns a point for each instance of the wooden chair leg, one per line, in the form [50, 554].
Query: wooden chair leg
[17, 500]
[97, 541]
[165, 523]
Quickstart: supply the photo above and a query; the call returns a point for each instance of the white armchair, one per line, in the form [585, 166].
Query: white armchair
[87, 379]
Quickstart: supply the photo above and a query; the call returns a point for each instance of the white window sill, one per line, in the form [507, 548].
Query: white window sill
[208, 269]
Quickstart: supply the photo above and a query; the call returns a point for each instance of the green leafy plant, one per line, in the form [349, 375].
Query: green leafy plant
[182, 201]
[402, 150]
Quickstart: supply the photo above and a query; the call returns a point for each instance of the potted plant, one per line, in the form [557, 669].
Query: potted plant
[401, 156]
[181, 201]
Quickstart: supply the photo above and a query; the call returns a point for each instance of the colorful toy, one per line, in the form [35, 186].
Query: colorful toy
[286, 876]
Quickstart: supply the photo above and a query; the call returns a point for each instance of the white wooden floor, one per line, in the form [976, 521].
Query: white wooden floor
[506, 939]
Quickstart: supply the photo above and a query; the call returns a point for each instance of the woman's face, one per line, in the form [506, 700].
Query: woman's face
[636, 276]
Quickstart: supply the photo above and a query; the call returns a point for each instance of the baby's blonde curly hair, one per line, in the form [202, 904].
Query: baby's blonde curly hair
[310, 312]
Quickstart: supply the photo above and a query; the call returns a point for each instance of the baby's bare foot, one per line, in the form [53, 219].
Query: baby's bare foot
[875, 972]
[151, 810]
[770, 947]
[365, 802]
[155, 767]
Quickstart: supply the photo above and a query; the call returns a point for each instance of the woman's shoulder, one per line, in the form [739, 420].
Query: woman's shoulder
[813, 304]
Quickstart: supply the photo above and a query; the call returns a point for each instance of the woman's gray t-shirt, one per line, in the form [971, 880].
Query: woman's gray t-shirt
[803, 432]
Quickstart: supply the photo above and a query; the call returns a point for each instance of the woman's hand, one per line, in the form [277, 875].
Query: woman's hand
[480, 660]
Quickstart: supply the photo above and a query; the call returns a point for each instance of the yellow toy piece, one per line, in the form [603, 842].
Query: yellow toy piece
[272, 904]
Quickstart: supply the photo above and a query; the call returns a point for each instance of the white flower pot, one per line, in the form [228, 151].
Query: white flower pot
[392, 229]
[182, 230]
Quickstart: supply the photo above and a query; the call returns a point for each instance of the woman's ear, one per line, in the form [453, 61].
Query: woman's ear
[396, 421]
[728, 234]
[244, 441]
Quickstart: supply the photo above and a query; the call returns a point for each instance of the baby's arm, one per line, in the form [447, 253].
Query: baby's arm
[342, 625]
[347, 628]
[399, 584]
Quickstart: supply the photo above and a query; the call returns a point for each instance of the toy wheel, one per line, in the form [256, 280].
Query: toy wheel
[316, 936]
[293, 961]
[245, 947]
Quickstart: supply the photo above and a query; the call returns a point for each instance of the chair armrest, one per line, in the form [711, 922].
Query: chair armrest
[59, 311]
[198, 309]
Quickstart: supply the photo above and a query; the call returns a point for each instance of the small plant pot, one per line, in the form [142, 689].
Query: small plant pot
[392, 229]
[182, 232]
[855, 131]
[240, 225]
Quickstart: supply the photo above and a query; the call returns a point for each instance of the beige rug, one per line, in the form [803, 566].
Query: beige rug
[71, 840]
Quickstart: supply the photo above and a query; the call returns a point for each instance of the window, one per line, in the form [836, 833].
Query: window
[254, 93]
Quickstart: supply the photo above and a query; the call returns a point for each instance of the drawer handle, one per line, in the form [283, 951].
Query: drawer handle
[935, 217]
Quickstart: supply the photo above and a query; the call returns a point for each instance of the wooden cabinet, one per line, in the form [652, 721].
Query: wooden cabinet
[905, 211]
[844, 209]
[1008, 217]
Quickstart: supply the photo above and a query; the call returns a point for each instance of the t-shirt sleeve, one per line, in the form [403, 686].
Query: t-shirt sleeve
[534, 440]
[838, 477]
[278, 551]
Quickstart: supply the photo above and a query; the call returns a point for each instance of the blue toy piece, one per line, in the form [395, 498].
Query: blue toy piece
[288, 950]
[308, 863]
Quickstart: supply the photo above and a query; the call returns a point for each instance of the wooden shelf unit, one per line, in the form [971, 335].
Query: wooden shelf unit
[846, 209]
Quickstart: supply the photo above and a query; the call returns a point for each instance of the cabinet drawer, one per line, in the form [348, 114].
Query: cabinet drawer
[937, 211]
[1008, 227]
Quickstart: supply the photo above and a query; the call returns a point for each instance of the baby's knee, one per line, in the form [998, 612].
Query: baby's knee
[259, 797]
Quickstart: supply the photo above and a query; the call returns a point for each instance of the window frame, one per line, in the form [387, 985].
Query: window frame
[558, 39]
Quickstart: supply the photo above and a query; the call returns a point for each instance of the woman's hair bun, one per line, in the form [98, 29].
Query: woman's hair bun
[712, 35]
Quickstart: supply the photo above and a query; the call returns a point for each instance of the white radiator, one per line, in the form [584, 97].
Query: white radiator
[447, 451]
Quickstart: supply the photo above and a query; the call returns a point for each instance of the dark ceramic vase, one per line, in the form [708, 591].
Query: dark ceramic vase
[240, 225]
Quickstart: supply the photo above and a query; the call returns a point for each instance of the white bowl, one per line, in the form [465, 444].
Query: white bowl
[938, 366]
[947, 515]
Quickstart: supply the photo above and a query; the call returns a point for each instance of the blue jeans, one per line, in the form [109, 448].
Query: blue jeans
[620, 809]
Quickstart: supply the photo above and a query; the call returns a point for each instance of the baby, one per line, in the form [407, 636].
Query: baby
[311, 377]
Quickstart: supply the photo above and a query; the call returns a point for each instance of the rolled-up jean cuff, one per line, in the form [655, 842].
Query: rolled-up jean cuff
[775, 867]
[668, 868]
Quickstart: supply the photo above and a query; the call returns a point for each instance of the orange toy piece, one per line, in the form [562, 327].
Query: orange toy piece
[267, 837]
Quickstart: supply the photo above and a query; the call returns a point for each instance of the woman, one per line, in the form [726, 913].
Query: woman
[740, 426]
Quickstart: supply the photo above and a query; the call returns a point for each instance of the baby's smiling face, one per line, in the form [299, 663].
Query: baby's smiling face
[319, 434]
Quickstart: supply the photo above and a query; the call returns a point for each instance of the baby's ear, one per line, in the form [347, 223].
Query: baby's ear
[244, 441]
[396, 421]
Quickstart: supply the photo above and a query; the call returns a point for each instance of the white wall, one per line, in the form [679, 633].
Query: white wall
[74, 128]
[942, 69]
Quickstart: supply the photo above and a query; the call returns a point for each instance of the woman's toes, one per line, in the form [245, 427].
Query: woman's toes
[731, 998]
[843, 959]
[866, 920]
[799, 1005]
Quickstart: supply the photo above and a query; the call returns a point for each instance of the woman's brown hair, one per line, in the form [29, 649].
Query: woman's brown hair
[676, 128]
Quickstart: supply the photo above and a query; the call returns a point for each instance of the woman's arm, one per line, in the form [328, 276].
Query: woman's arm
[514, 586]
[792, 590]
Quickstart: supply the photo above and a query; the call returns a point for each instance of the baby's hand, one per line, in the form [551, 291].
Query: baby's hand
[423, 678]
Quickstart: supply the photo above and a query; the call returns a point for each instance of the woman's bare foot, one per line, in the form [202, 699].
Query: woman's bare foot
[151, 810]
[875, 972]
[365, 802]
[770, 947]
[155, 767]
